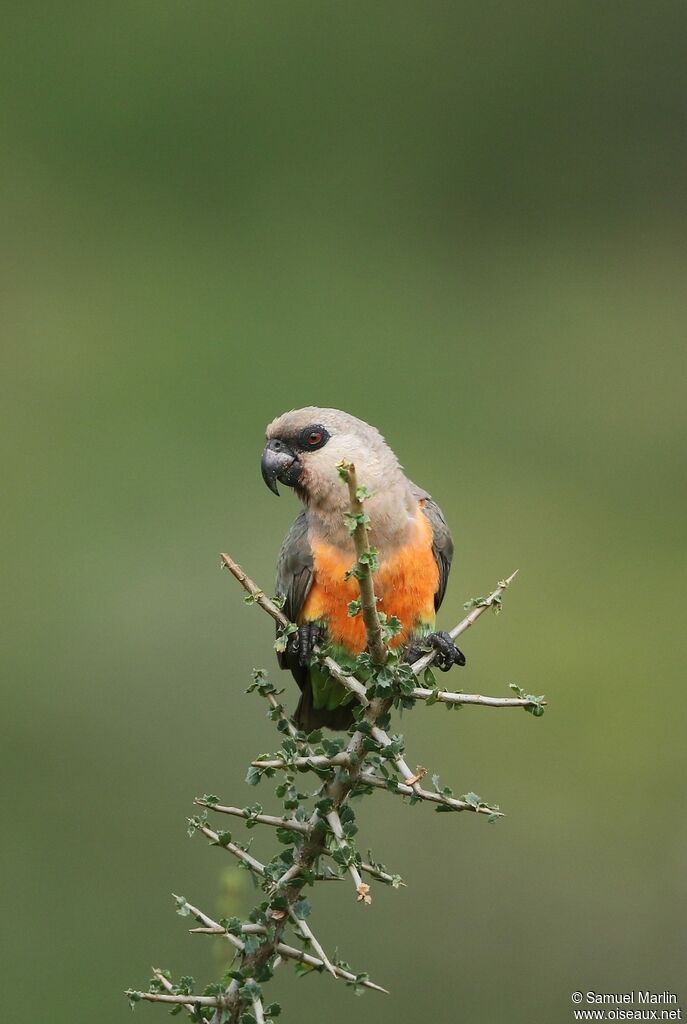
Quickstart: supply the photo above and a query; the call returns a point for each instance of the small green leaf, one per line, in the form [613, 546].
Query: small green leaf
[133, 997]
[355, 519]
[428, 678]
[302, 909]
[182, 906]
[283, 637]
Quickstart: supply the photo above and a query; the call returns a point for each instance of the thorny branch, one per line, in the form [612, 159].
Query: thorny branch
[371, 759]
[366, 560]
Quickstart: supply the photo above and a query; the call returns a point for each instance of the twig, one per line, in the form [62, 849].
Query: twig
[311, 761]
[166, 983]
[275, 705]
[259, 869]
[277, 614]
[258, 1010]
[292, 824]
[421, 693]
[188, 999]
[335, 824]
[400, 763]
[352, 684]
[308, 934]
[379, 782]
[368, 600]
[209, 923]
[283, 948]
[488, 602]
[249, 861]
[258, 595]
[185, 1000]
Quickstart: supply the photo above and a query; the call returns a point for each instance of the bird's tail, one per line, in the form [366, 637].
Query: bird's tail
[309, 718]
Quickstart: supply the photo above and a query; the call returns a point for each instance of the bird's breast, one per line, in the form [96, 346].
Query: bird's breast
[405, 583]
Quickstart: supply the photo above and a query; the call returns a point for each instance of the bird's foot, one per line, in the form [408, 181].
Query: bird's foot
[447, 654]
[306, 637]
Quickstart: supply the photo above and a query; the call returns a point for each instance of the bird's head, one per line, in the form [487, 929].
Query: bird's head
[304, 446]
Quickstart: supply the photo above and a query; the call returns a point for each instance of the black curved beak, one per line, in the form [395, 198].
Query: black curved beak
[279, 463]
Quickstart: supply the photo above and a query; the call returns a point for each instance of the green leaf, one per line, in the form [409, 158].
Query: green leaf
[355, 519]
[536, 703]
[302, 909]
[283, 636]
[484, 602]
[302, 968]
[133, 997]
[369, 558]
[428, 678]
[393, 626]
[182, 906]
[332, 747]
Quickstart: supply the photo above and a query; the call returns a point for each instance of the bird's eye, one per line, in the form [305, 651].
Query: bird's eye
[313, 437]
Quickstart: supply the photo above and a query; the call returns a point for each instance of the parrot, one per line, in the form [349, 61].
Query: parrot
[407, 527]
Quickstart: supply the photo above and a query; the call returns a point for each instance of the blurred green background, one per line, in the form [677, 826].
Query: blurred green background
[463, 222]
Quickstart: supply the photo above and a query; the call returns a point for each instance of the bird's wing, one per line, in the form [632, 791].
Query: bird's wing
[442, 543]
[294, 579]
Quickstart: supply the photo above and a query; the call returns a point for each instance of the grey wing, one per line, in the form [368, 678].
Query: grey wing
[442, 543]
[294, 579]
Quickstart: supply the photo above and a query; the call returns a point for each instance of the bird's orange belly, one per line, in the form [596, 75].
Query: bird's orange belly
[405, 585]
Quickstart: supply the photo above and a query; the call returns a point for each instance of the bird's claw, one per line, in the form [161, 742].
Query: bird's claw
[447, 654]
[302, 642]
